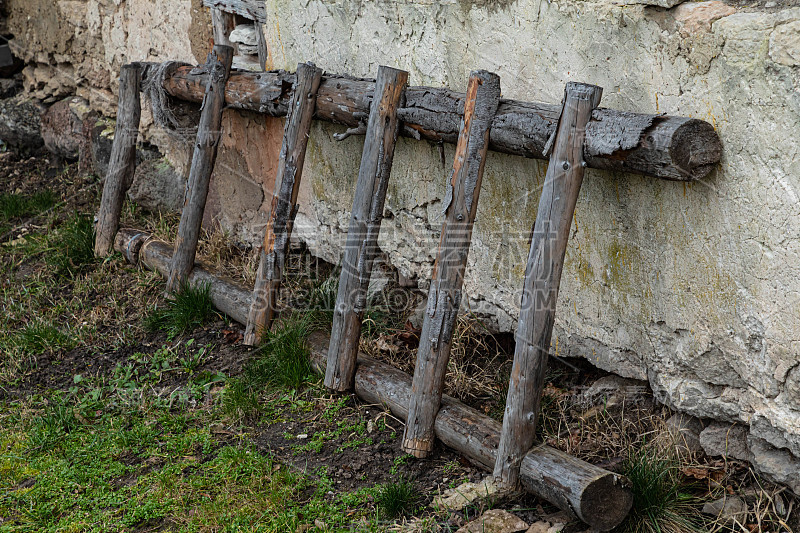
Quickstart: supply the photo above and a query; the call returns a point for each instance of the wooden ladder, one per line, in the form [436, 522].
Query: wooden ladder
[543, 271]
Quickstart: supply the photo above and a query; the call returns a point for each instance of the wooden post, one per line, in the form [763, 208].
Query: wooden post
[218, 65]
[365, 223]
[444, 295]
[263, 53]
[542, 277]
[284, 203]
[122, 164]
[222, 24]
[600, 498]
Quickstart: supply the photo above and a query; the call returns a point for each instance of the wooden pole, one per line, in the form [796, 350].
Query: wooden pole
[365, 223]
[222, 24]
[122, 164]
[444, 295]
[668, 147]
[284, 203]
[542, 277]
[263, 52]
[600, 498]
[218, 65]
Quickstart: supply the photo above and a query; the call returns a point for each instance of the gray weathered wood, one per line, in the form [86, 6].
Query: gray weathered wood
[263, 53]
[284, 203]
[122, 163]
[218, 65]
[365, 223]
[542, 278]
[251, 9]
[674, 148]
[222, 24]
[596, 496]
[444, 295]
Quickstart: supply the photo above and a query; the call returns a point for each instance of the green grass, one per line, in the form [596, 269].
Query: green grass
[39, 337]
[17, 206]
[20, 346]
[73, 246]
[660, 503]
[281, 362]
[188, 308]
[396, 499]
[322, 299]
[89, 461]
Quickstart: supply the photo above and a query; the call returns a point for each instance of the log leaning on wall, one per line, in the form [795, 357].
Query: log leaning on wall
[673, 148]
[600, 498]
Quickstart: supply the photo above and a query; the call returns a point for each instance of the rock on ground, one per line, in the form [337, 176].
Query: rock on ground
[156, 185]
[657, 3]
[776, 463]
[613, 388]
[20, 124]
[62, 127]
[465, 494]
[728, 508]
[495, 521]
[727, 440]
[685, 431]
[545, 527]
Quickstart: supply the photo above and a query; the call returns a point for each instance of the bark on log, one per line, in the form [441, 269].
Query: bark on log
[600, 498]
[542, 278]
[444, 296]
[218, 66]
[122, 163]
[284, 203]
[668, 147]
[365, 223]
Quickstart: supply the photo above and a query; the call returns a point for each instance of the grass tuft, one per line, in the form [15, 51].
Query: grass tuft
[396, 499]
[659, 503]
[73, 246]
[282, 361]
[39, 337]
[50, 428]
[17, 206]
[322, 299]
[187, 309]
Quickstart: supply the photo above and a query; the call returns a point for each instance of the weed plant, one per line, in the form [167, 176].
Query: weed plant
[660, 502]
[188, 308]
[18, 206]
[396, 499]
[281, 362]
[73, 246]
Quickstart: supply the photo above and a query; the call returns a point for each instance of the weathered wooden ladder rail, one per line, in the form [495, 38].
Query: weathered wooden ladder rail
[574, 135]
[662, 146]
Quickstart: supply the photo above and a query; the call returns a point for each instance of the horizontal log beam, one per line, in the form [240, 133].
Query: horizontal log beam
[668, 147]
[600, 498]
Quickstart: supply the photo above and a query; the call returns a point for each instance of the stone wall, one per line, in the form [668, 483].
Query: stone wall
[694, 287]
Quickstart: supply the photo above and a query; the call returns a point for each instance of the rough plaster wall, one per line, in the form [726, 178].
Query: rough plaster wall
[244, 174]
[77, 46]
[692, 286]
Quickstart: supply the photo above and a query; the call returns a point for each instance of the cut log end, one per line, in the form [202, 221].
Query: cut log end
[695, 149]
[606, 501]
[419, 448]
